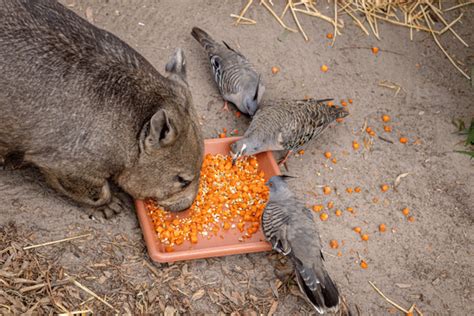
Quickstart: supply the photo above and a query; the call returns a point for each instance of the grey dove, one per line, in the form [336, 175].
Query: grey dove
[289, 226]
[236, 78]
[286, 125]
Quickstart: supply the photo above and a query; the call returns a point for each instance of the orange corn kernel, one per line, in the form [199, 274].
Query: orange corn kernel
[334, 160]
[350, 209]
[365, 237]
[324, 68]
[384, 187]
[318, 208]
[329, 35]
[357, 189]
[324, 216]
[330, 103]
[411, 218]
[357, 229]
[343, 103]
[326, 190]
[338, 213]
[330, 204]
[222, 135]
[340, 120]
[275, 70]
[363, 264]
[334, 244]
[349, 190]
[387, 128]
[406, 211]
[169, 249]
[385, 118]
[327, 154]
[350, 101]
[355, 145]
[382, 228]
[403, 140]
[301, 152]
[375, 50]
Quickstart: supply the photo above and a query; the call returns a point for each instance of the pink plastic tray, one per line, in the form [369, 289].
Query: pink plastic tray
[226, 242]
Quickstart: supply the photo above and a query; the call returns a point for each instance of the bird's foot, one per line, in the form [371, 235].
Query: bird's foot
[284, 160]
[225, 108]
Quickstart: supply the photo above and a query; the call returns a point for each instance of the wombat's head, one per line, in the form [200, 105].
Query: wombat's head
[171, 147]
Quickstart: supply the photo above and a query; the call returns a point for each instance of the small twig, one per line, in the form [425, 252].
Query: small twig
[335, 24]
[87, 290]
[244, 19]
[458, 6]
[265, 4]
[447, 27]
[387, 299]
[445, 23]
[242, 13]
[56, 241]
[87, 311]
[292, 9]
[441, 47]
[384, 139]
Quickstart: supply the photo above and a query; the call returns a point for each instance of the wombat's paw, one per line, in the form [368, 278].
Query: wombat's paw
[120, 201]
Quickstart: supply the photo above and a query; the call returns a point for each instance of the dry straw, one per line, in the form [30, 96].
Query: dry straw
[416, 15]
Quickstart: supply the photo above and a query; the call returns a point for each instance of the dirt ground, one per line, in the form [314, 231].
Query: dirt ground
[429, 261]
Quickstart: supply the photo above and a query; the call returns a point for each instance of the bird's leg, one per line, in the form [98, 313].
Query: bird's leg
[283, 161]
[225, 107]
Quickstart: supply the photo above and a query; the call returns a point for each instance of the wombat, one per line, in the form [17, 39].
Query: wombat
[88, 110]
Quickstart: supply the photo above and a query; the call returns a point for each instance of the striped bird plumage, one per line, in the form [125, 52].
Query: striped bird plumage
[289, 226]
[236, 78]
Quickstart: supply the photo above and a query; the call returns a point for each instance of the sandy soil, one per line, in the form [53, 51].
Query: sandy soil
[428, 262]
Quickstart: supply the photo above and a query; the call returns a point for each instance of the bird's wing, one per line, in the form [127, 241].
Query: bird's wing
[312, 277]
[230, 48]
[275, 221]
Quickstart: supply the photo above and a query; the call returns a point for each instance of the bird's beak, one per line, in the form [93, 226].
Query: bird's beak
[285, 176]
[238, 154]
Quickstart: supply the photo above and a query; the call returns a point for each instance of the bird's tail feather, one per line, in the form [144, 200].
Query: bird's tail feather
[318, 288]
[204, 39]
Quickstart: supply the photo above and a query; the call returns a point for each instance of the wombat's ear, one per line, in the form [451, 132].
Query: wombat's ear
[161, 132]
[177, 65]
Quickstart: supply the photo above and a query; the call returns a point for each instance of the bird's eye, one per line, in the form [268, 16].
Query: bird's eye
[270, 184]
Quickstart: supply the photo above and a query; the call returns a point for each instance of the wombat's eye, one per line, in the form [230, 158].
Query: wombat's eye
[184, 183]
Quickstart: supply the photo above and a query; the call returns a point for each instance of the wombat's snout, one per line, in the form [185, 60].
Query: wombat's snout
[181, 200]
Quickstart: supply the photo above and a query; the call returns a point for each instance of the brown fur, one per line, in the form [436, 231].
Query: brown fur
[86, 109]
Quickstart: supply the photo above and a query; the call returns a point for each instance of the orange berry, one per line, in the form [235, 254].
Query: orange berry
[357, 189]
[385, 118]
[403, 140]
[330, 204]
[363, 264]
[411, 219]
[324, 68]
[365, 237]
[301, 152]
[357, 229]
[375, 50]
[349, 190]
[350, 101]
[318, 208]
[406, 211]
[329, 35]
[327, 154]
[382, 228]
[388, 129]
[384, 187]
[323, 216]
[275, 70]
[326, 190]
[355, 145]
[334, 244]
[338, 213]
